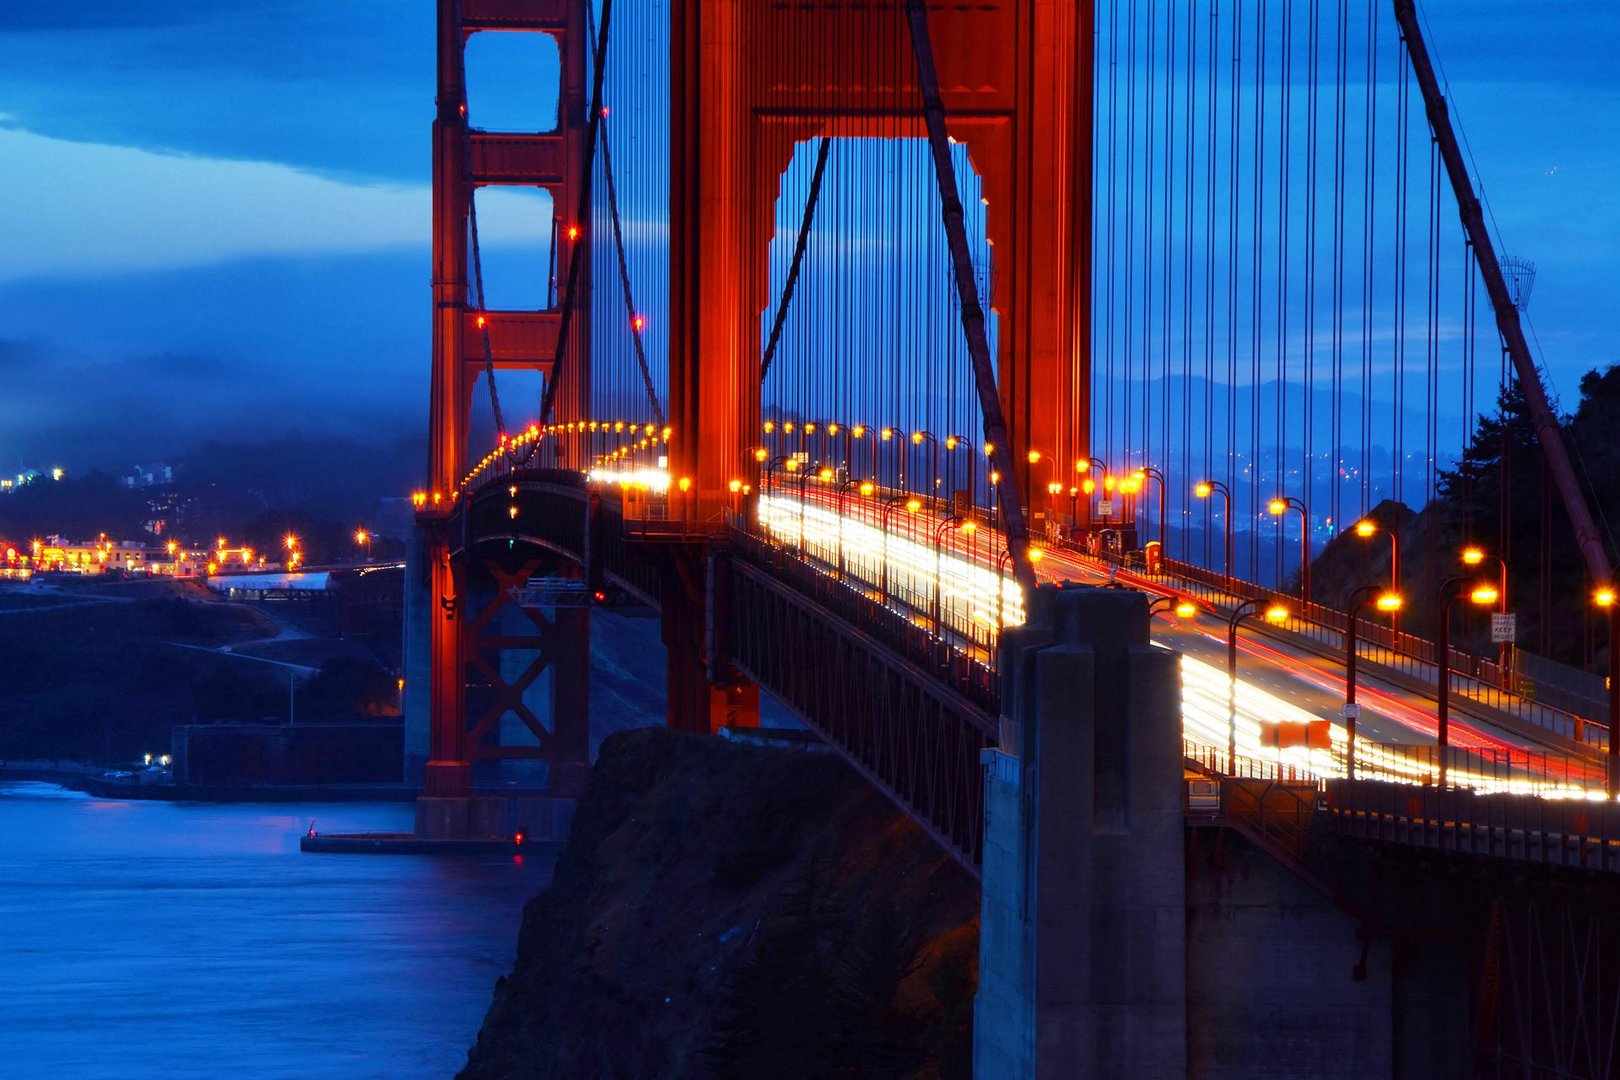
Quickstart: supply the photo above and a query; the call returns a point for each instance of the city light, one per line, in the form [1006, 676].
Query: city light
[1472, 556]
[1203, 489]
[1484, 595]
[1366, 527]
[1390, 602]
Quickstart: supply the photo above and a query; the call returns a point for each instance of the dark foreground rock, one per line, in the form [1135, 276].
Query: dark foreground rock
[727, 911]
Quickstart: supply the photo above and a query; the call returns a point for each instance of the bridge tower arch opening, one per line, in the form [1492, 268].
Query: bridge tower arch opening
[751, 81]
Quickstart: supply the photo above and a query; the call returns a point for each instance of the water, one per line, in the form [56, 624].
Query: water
[194, 940]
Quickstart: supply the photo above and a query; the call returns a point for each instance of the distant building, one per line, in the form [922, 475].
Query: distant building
[145, 476]
[101, 556]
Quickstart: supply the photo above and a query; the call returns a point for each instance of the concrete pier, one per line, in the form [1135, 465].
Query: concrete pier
[1082, 954]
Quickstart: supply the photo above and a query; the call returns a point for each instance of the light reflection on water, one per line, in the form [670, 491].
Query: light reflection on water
[194, 940]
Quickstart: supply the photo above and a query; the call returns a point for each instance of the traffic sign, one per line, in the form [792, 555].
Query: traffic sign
[1351, 711]
[1105, 507]
[1504, 628]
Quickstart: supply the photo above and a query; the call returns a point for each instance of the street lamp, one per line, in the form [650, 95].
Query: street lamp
[1367, 528]
[1204, 489]
[1275, 613]
[911, 505]
[951, 443]
[1150, 473]
[361, 536]
[888, 435]
[1090, 468]
[1387, 601]
[865, 488]
[1183, 607]
[917, 439]
[961, 525]
[1035, 556]
[1480, 596]
[1605, 598]
[1474, 556]
[1277, 508]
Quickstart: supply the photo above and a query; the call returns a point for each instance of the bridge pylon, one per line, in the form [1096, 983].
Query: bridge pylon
[750, 80]
[470, 340]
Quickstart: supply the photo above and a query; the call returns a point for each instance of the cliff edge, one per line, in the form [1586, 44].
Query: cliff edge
[722, 910]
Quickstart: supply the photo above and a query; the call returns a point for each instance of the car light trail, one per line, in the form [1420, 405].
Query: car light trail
[975, 601]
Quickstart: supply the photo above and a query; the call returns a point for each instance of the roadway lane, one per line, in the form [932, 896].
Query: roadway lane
[883, 543]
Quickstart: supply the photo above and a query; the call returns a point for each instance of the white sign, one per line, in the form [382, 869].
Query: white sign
[1352, 711]
[1106, 507]
[1503, 628]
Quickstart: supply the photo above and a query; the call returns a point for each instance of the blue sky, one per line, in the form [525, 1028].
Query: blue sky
[214, 216]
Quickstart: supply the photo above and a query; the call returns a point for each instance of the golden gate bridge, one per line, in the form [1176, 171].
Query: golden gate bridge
[908, 312]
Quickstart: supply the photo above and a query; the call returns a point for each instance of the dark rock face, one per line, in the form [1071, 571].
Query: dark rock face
[728, 911]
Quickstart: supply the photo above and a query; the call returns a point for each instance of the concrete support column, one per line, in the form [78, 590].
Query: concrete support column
[1082, 948]
[570, 701]
[681, 605]
[416, 658]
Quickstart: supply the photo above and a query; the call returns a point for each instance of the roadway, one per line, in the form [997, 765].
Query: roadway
[904, 557]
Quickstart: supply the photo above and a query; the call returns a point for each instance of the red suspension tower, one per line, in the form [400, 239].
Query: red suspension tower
[467, 341]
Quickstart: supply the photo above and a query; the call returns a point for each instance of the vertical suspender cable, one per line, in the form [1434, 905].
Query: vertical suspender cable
[995, 424]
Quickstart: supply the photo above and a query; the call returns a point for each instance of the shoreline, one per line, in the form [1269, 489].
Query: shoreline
[78, 776]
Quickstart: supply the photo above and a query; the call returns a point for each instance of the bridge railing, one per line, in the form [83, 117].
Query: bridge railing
[973, 678]
[1473, 678]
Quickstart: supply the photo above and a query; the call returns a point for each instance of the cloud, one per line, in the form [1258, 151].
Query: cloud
[81, 208]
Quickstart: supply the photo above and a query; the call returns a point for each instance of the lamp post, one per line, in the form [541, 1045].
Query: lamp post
[1183, 608]
[1388, 600]
[844, 485]
[1053, 486]
[362, 537]
[1277, 508]
[1474, 556]
[887, 435]
[1606, 599]
[912, 505]
[917, 439]
[1090, 468]
[1150, 473]
[1367, 528]
[962, 525]
[1204, 489]
[786, 460]
[1275, 613]
[1480, 596]
[952, 442]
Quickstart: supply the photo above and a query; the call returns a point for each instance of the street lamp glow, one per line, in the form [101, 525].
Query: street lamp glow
[1034, 456]
[1276, 507]
[1203, 489]
[290, 542]
[761, 454]
[1186, 609]
[1276, 613]
[1603, 598]
[1036, 554]
[913, 505]
[867, 487]
[825, 475]
[1390, 602]
[1484, 595]
[1366, 527]
[1472, 556]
